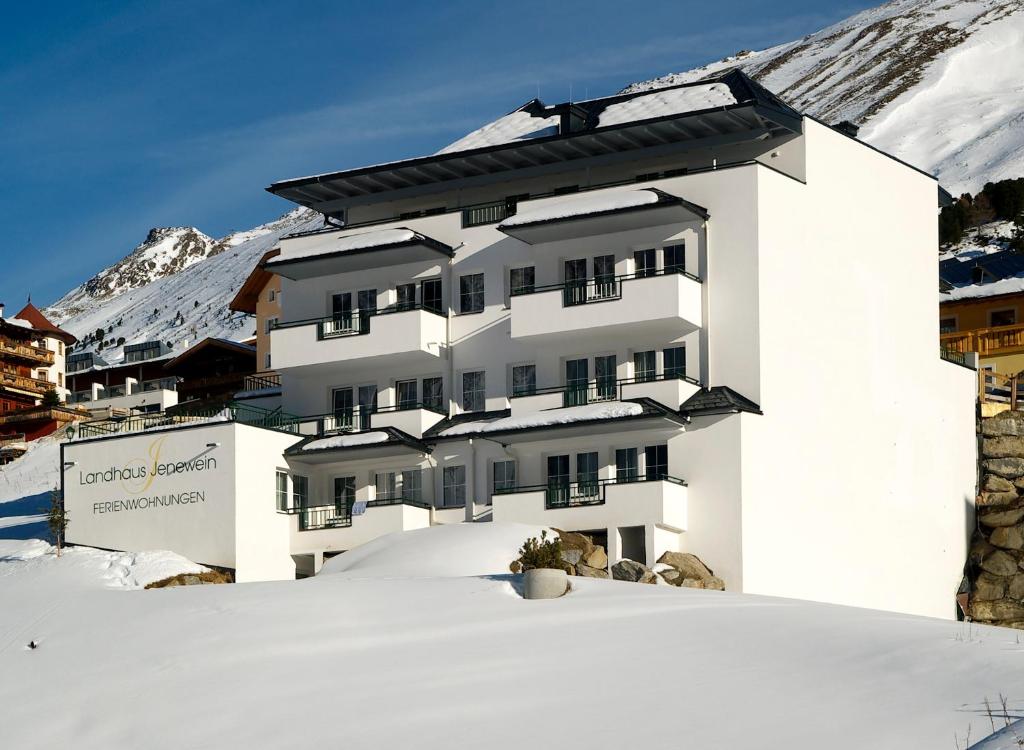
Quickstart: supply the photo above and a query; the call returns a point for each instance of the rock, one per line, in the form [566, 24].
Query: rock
[191, 580]
[589, 572]
[994, 483]
[598, 558]
[1003, 447]
[575, 540]
[1000, 609]
[1007, 537]
[1000, 563]
[714, 583]
[1016, 588]
[571, 556]
[1009, 423]
[991, 499]
[692, 583]
[629, 570]
[649, 576]
[1002, 518]
[1018, 483]
[672, 575]
[1010, 468]
[689, 565]
[988, 588]
[515, 566]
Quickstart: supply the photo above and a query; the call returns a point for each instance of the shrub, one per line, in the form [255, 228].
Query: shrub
[541, 553]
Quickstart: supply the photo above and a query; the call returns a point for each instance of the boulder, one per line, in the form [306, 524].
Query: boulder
[999, 609]
[597, 558]
[1016, 588]
[1000, 563]
[1018, 484]
[1009, 423]
[992, 499]
[1001, 518]
[589, 572]
[692, 583]
[980, 549]
[988, 588]
[1003, 447]
[571, 556]
[672, 575]
[994, 483]
[576, 541]
[714, 583]
[1010, 468]
[630, 570]
[689, 565]
[1007, 537]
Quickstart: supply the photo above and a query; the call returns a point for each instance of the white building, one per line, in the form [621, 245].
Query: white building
[656, 317]
[136, 384]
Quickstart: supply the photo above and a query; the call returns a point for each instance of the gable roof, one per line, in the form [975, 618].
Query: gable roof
[248, 295]
[224, 344]
[720, 399]
[31, 314]
[982, 276]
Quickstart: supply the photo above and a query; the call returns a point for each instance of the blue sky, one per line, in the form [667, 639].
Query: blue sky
[118, 117]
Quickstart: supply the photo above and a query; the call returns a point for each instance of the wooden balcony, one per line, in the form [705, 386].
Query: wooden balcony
[16, 350]
[986, 341]
[24, 383]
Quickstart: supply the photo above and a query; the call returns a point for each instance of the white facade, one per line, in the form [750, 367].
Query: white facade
[439, 382]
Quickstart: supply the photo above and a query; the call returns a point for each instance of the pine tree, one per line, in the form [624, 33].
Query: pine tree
[57, 519]
[50, 398]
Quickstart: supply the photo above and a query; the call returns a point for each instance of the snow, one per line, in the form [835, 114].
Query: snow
[1010, 737]
[583, 206]
[347, 440]
[585, 413]
[422, 641]
[361, 241]
[1003, 286]
[271, 391]
[515, 126]
[18, 322]
[25, 486]
[669, 102]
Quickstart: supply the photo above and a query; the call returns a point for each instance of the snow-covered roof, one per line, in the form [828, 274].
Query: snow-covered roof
[347, 440]
[569, 415]
[667, 102]
[18, 322]
[352, 243]
[972, 275]
[596, 203]
[514, 126]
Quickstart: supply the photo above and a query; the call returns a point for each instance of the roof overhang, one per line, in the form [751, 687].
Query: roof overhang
[397, 445]
[653, 138]
[668, 209]
[247, 297]
[325, 261]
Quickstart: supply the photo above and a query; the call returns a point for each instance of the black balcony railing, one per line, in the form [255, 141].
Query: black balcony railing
[599, 289]
[565, 494]
[600, 390]
[325, 517]
[381, 502]
[261, 382]
[354, 322]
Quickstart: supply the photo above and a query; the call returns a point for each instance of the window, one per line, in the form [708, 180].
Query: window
[504, 479]
[430, 295]
[524, 380]
[577, 376]
[489, 213]
[406, 296]
[60, 379]
[947, 325]
[604, 370]
[271, 295]
[412, 484]
[60, 348]
[269, 324]
[521, 280]
[586, 473]
[675, 362]
[645, 263]
[558, 481]
[675, 258]
[300, 491]
[266, 361]
[385, 485]
[282, 490]
[473, 394]
[367, 405]
[344, 495]
[626, 465]
[453, 486]
[342, 408]
[1002, 317]
[656, 457]
[604, 276]
[433, 393]
[471, 293]
[406, 394]
[643, 366]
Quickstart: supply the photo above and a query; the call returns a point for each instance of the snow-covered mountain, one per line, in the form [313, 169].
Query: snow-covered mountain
[174, 287]
[935, 82]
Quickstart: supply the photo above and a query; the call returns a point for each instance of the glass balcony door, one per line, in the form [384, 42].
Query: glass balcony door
[577, 376]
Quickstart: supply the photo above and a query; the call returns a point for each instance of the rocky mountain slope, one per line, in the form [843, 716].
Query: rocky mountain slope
[174, 287]
[935, 82]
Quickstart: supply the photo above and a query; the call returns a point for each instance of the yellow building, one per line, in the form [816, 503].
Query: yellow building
[260, 295]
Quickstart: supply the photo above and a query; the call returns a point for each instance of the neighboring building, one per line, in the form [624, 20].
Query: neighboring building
[982, 308]
[260, 296]
[32, 355]
[647, 317]
[211, 372]
[138, 384]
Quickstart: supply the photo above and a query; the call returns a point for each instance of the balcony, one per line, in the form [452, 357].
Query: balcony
[15, 381]
[35, 355]
[602, 503]
[410, 335]
[666, 303]
[987, 342]
[669, 390]
[353, 524]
